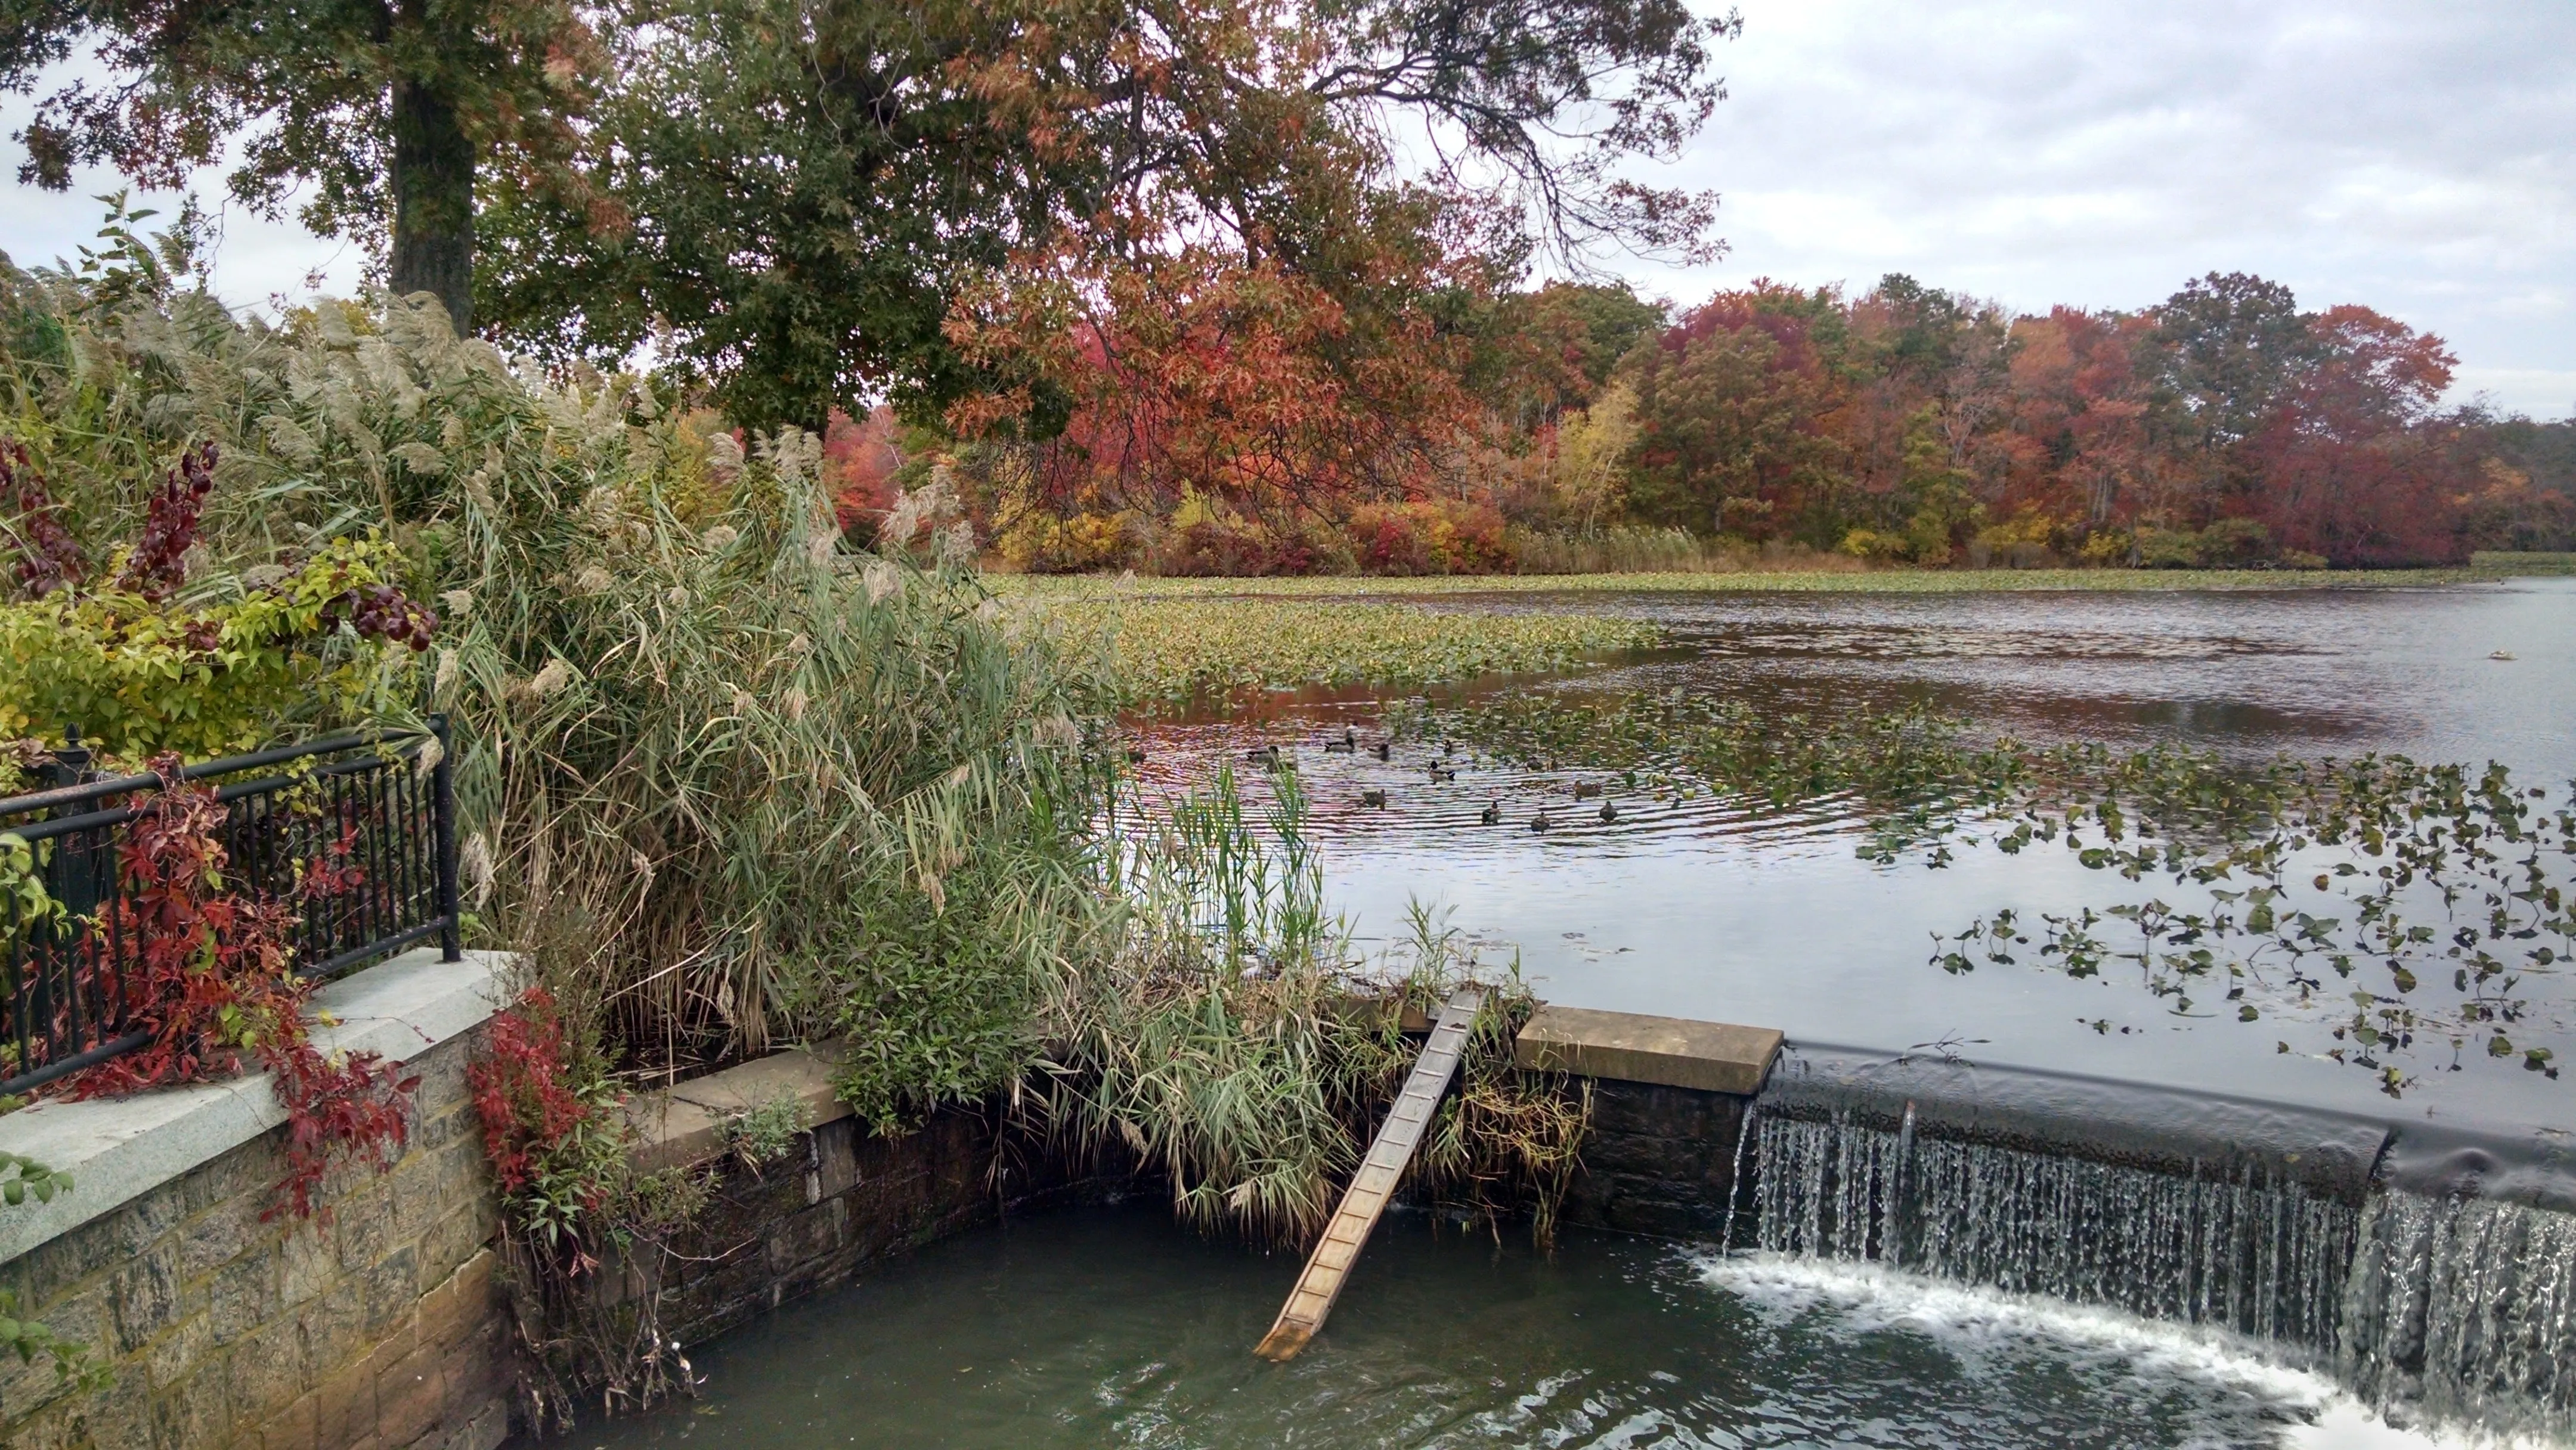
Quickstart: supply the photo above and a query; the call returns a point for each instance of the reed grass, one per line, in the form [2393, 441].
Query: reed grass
[733, 784]
[1230, 1044]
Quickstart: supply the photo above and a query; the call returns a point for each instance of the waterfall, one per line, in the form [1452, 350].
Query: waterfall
[2242, 1248]
[2464, 1309]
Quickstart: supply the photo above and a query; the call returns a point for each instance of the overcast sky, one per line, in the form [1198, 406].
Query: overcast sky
[2418, 156]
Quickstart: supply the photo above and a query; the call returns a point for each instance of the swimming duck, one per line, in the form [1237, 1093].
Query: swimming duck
[1339, 747]
[2502, 654]
[1585, 790]
[1384, 749]
[1438, 775]
[1540, 822]
[1609, 812]
[1375, 798]
[1493, 814]
[1135, 755]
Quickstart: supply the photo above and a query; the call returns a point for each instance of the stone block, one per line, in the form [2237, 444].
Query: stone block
[170, 1358]
[269, 1370]
[344, 1408]
[308, 1262]
[836, 1163]
[297, 1427]
[455, 1240]
[389, 1289]
[461, 1305]
[336, 1331]
[362, 1228]
[221, 1233]
[486, 1429]
[410, 1392]
[143, 1296]
[243, 1292]
[1631, 1047]
[192, 1414]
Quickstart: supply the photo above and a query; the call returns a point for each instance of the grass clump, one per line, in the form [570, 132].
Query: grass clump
[1171, 650]
[1230, 1046]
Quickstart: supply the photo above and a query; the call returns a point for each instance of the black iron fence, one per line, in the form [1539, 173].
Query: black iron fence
[368, 807]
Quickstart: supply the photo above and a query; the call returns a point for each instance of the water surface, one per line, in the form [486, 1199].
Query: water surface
[1704, 908]
[1114, 1328]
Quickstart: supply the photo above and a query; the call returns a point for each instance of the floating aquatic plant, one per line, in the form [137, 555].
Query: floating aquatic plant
[2415, 906]
[1169, 651]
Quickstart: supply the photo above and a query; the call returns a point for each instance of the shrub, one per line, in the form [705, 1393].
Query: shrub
[124, 660]
[1429, 536]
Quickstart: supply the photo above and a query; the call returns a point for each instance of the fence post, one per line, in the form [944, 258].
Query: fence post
[451, 936]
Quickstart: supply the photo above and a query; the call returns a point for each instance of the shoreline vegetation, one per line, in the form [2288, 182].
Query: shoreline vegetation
[1088, 588]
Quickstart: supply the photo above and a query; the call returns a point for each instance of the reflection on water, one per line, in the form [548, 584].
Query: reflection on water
[1102, 1328]
[1699, 907]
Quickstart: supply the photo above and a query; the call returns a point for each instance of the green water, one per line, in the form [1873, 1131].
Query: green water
[1113, 1328]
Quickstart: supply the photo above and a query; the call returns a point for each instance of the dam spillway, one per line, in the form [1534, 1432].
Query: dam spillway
[2431, 1272]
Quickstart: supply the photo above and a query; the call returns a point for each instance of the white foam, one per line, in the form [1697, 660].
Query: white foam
[1980, 1325]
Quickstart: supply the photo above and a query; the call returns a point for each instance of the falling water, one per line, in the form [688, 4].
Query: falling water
[2251, 1252]
[2464, 1309]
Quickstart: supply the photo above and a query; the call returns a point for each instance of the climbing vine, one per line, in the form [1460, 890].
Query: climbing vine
[213, 981]
[561, 1149]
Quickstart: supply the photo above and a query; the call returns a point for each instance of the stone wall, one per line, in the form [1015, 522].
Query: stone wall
[372, 1326]
[1668, 1105]
[225, 1329]
[1659, 1160]
[841, 1198]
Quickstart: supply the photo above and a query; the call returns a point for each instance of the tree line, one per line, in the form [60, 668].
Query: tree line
[1152, 285]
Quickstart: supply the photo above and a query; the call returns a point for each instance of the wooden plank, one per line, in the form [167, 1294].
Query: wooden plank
[1321, 1281]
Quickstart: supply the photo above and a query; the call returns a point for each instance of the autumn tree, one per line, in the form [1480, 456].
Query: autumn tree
[391, 110]
[1733, 414]
[813, 181]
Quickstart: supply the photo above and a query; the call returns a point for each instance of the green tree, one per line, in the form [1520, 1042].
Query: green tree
[389, 109]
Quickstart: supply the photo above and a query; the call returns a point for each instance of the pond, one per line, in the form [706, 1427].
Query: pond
[1707, 908]
[1114, 1328]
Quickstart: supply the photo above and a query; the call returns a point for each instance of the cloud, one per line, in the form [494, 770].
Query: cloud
[2411, 157]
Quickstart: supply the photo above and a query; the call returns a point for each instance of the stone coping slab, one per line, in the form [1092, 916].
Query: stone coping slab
[1716, 1057]
[117, 1149]
[684, 1124]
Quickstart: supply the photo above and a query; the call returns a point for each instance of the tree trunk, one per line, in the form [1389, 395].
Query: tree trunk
[433, 183]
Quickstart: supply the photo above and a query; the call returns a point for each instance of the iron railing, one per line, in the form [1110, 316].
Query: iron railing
[362, 798]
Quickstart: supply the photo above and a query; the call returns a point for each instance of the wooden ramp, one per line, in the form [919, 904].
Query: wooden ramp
[1366, 1198]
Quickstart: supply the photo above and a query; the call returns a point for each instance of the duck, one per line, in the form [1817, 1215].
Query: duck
[1540, 822]
[1135, 755]
[1492, 815]
[1609, 812]
[2502, 654]
[1439, 774]
[1349, 744]
[1375, 798]
[1585, 790]
[1384, 749]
